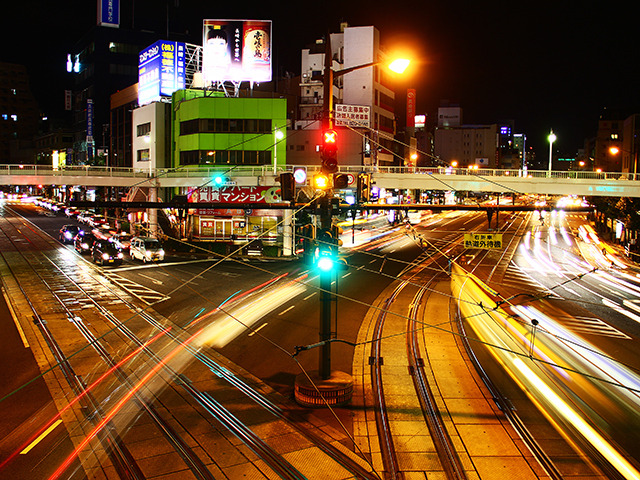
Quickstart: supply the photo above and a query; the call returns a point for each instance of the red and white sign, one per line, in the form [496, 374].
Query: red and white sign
[352, 115]
[238, 195]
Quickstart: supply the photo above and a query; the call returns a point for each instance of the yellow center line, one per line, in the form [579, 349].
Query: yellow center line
[39, 439]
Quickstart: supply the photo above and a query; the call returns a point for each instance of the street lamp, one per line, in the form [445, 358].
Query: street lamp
[615, 150]
[398, 66]
[552, 138]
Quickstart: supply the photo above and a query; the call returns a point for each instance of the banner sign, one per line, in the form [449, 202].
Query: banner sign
[236, 50]
[161, 71]
[352, 116]
[487, 241]
[237, 195]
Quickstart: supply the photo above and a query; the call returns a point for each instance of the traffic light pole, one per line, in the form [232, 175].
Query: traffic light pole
[326, 297]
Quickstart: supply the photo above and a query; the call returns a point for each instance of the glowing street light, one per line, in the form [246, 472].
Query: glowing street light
[552, 138]
[399, 65]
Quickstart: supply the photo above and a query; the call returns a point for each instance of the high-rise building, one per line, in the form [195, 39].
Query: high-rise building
[107, 61]
[18, 115]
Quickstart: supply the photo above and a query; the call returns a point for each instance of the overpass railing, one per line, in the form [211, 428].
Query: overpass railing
[264, 170]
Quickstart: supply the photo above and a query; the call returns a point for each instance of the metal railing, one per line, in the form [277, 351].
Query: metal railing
[267, 170]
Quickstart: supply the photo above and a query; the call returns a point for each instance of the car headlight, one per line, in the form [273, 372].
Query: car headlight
[148, 254]
[120, 255]
[105, 256]
[161, 252]
[67, 235]
[85, 246]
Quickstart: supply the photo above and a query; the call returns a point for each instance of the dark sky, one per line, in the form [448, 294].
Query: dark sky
[542, 64]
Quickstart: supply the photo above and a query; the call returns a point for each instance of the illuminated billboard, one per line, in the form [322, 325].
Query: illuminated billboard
[236, 50]
[161, 71]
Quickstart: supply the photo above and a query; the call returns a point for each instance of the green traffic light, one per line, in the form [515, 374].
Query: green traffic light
[218, 179]
[325, 263]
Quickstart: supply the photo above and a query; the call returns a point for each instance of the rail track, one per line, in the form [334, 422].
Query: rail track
[415, 287]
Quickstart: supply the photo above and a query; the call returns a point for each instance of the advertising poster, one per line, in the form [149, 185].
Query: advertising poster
[236, 50]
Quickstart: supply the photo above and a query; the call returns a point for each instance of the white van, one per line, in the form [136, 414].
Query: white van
[146, 249]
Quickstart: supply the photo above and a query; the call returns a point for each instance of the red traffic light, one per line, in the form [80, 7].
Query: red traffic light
[329, 151]
[330, 137]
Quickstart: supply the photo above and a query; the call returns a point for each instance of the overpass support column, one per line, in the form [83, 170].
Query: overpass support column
[152, 213]
[287, 233]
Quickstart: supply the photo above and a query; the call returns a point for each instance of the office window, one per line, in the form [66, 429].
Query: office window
[144, 129]
[144, 155]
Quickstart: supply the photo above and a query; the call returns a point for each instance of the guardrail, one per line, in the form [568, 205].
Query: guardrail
[266, 170]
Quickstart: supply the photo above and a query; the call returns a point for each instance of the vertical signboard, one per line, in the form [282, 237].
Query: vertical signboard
[67, 100]
[411, 107]
[89, 119]
[109, 13]
[236, 50]
[89, 129]
[161, 71]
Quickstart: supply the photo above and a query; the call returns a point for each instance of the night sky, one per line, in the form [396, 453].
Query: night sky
[542, 64]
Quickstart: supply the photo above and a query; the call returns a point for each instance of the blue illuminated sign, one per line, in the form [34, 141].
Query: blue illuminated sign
[161, 71]
[109, 13]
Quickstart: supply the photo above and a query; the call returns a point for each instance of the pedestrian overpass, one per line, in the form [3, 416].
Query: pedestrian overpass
[428, 178]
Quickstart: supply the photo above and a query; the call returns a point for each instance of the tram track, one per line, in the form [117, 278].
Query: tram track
[449, 458]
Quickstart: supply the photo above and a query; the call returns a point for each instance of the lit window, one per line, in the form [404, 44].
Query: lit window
[14, 117]
[614, 136]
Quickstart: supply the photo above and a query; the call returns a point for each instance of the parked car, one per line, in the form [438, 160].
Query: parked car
[83, 217]
[122, 241]
[105, 252]
[68, 233]
[72, 212]
[96, 220]
[84, 241]
[146, 249]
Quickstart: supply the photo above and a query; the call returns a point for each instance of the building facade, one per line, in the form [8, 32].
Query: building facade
[371, 143]
[19, 115]
[468, 145]
[210, 129]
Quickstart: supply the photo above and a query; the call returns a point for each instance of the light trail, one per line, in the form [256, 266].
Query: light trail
[93, 385]
[471, 296]
[116, 408]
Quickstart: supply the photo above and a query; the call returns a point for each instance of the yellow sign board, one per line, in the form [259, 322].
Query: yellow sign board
[490, 241]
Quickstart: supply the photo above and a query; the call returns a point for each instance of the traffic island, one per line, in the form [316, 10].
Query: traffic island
[314, 391]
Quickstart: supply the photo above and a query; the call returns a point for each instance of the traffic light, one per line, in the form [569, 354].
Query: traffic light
[326, 254]
[321, 182]
[219, 180]
[329, 154]
[363, 190]
[340, 180]
[336, 232]
[287, 186]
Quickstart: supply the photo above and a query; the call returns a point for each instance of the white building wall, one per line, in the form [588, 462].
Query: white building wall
[155, 141]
